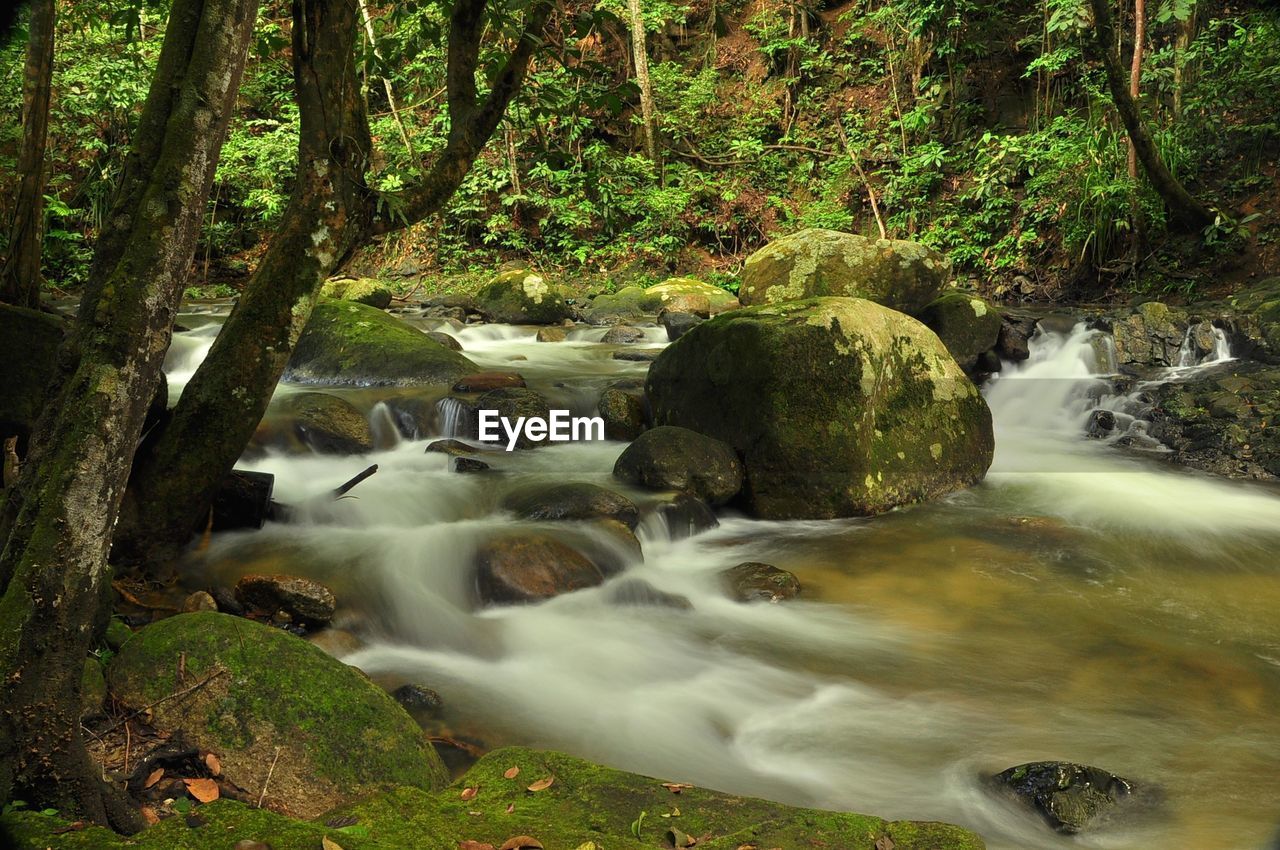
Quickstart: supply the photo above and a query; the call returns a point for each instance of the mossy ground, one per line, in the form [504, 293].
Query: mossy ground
[585, 803]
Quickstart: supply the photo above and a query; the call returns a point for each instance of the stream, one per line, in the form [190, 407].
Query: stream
[1084, 603]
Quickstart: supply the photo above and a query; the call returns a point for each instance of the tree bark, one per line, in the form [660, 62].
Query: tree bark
[640, 55]
[330, 214]
[1184, 210]
[1135, 71]
[53, 568]
[20, 274]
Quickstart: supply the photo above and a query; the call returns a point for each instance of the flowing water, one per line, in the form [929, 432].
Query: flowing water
[1084, 603]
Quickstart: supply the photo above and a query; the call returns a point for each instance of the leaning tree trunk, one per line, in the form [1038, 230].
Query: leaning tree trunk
[329, 216]
[20, 274]
[1184, 210]
[640, 56]
[54, 563]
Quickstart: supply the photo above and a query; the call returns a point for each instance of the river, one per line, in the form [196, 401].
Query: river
[1083, 603]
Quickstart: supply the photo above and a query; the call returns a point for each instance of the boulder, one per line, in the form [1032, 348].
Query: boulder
[29, 342]
[685, 293]
[838, 406]
[612, 308]
[1013, 342]
[622, 335]
[695, 304]
[678, 324]
[1253, 319]
[513, 403]
[484, 381]
[685, 516]
[967, 326]
[572, 501]
[455, 448]
[550, 334]
[902, 275]
[757, 582]
[645, 356]
[622, 407]
[1070, 797]
[272, 702]
[362, 290]
[324, 423]
[521, 297]
[530, 568]
[671, 458]
[351, 344]
[449, 342]
[1150, 335]
[201, 600]
[304, 600]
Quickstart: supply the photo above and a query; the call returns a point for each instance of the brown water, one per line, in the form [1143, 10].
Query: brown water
[1079, 605]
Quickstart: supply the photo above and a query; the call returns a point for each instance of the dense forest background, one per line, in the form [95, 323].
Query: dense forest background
[981, 127]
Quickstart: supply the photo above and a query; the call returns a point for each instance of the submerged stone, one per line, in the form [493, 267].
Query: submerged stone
[757, 582]
[1070, 797]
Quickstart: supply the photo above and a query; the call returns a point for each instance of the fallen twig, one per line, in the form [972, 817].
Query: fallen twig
[221, 671]
[342, 491]
[270, 771]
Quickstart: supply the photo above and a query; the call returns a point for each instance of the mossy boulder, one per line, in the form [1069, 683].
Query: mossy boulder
[1253, 316]
[967, 325]
[670, 458]
[903, 275]
[323, 423]
[350, 344]
[29, 341]
[340, 737]
[584, 803]
[622, 407]
[611, 308]
[522, 297]
[362, 290]
[684, 293]
[837, 406]
[1151, 334]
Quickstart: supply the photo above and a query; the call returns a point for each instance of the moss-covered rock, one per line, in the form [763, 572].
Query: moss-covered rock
[625, 305]
[1253, 316]
[838, 406]
[622, 407]
[318, 421]
[686, 292]
[349, 344]
[671, 458]
[340, 737]
[522, 297]
[1150, 335]
[899, 274]
[967, 325]
[362, 290]
[29, 341]
[584, 803]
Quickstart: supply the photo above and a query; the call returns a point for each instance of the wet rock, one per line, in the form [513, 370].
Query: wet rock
[449, 342]
[324, 423]
[611, 545]
[1070, 797]
[481, 382]
[551, 335]
[117, 633]
[272, 698]
[454, 448]
[622, 408]
[697, 305]
[199, 601]
[415, 416]
[416, 699]
[227, 601]
[838, 406]
[1150, 335]
[967, 326]
[351, 344]
[637, 356]
[530, 568]
[678, 324]
[1013, 340]
[1100, 424]
[1252, 320]
[573, 501]
[622, 335]
[897, 274]
[521, 297]
[513, 403]
[301, 598]
[457, 417]
[757, 582]
[638, 593]
[671, 458]
[362, 290]
[469, 465]
[685, 516]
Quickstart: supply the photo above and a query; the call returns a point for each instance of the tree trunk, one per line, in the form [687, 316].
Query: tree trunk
[1184, 210]
[329, 216]
[1135, 71]
[53, 568]
[20, 274]
[640, 54]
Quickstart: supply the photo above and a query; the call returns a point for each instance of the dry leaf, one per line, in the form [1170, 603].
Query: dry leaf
[680, 839]
[511, 807]
[512, 773]
[542, 784]
[330, 844]
[204, 790]
[469, 793]
[521, 842]
[153, 777]
[884, 842]
[150, 816]
[215, 766]
[474, 845]
[675, 787]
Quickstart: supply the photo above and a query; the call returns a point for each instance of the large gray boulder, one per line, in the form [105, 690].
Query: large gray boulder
[899, 274]
[837, 406]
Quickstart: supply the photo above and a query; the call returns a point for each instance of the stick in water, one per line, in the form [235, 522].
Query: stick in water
[342, 491]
